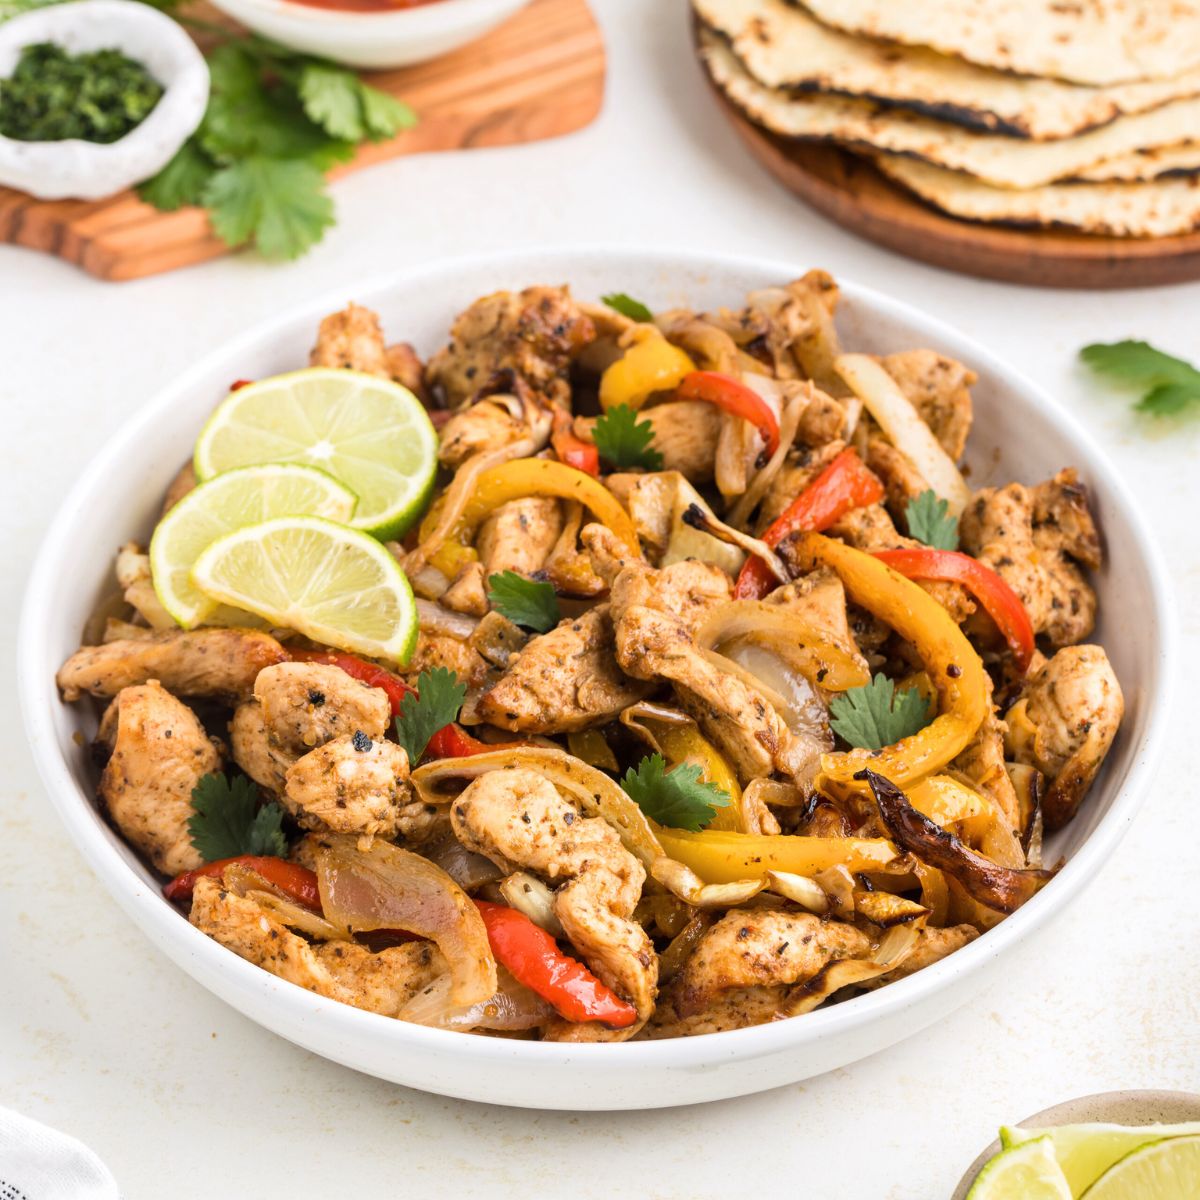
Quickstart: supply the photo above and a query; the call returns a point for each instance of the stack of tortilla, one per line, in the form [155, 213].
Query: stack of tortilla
[1082, 115]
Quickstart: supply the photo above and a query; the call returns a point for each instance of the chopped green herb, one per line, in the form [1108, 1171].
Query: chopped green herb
[627, 306]
[526, 602]
[876, 715]
[227, 819]
[676, 798]
[624, 441]
[1169, 385]
[439, 697]
[929, 521]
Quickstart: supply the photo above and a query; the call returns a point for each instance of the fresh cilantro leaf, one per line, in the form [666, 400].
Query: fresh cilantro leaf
[280, 203]
[677, 798]
[1172, 385]
[330, 96]
[929, 521]
[627, 306]
[383, 115]
[526, 602]
[439, 697]
[876, 715]
[181, 181]
[227, 820]
[624, 440]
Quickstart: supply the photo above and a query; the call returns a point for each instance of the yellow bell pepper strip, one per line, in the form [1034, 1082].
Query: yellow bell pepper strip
[591, 746]
[651, 364]
[685, 743]
[723, 857]
[949, 660]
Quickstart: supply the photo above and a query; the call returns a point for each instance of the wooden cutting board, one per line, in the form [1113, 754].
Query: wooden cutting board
[847, 188]
[539, 75]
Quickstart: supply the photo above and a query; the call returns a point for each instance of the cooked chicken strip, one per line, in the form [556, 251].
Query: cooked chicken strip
[736, 1008]
[938, 388]
[159, 753]
[1065, 723]
[820, 597]
[564, 680]
[686, 590]
[443, 650]
[382, 982]
[204, 662]
[485, 425]
[685, 434]
[253, 751]
[353, 784]
[932, 946]
[519, 535]
[517, 819]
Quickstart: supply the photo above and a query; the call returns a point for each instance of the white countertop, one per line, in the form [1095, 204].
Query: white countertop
[102, 1037]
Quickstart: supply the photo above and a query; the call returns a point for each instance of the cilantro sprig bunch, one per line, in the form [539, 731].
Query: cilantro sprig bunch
[276, 122]
[1169, 385]
[677, 798]
[227, 820]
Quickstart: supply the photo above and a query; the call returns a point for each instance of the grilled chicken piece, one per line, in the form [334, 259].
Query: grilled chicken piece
[939, 390]
[468, 593]
[518, 820]
[800, 468]
[1065, 723]
[443, 650]
[932, 946]
[223, 663]
[901, 479]
[564, 680]
[253, 751]
[159, 753]
[736, 1008]
[821, 598]
[533, 333]
[687, 590]
[519, 535]
[382, 982]
[1038, 539]
[483, 426]
[685, 434]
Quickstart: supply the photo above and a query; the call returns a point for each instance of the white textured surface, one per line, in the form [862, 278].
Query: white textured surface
[104, 1038]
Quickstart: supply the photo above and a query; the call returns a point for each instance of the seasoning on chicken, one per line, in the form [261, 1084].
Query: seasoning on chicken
[352, 339]
[519, 535]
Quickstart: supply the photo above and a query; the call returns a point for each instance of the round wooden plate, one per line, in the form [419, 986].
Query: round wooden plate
[847, 188]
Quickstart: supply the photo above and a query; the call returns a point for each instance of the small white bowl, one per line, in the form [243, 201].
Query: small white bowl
[369, 39]
[79, 170]
[1019, 434]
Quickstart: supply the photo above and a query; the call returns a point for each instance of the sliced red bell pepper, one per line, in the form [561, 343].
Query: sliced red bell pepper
[845, 484]
[534, 959]
[453, 741]
[572, 450]
[240, 383]
[358, 668]
[999, 600]
[298, 882]
[734, 397]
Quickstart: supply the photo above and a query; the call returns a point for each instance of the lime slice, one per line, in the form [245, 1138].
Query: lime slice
[332, 583]
[1164, 1170]
[370, 433]
[1025, 1172]
[1085, 1152]
[228, 502]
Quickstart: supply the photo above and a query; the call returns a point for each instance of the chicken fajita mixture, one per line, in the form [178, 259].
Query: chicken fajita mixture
[723, 694]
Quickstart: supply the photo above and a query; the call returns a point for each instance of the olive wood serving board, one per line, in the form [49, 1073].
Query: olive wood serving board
[539, 75]
[847, 188]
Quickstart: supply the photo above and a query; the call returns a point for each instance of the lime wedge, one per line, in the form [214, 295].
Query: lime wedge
[228, 502]
[371, 434]
[329, 582]
[1025, 1172]
[1164, 1170]
[1085, 1152]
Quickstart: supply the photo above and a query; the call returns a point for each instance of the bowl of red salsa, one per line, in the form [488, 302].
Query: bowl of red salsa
[372, 33]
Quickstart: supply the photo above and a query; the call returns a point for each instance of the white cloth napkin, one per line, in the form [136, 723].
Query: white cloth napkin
[39, 1163]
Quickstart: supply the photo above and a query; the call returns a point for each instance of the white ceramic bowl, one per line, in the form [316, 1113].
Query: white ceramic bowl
[1019, 433]
[367, 39]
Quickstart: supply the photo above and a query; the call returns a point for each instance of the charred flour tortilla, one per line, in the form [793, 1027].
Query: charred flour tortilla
[783, 46]
[1086, 41]
[1183, 159]
[994, 158]
[1159, 208]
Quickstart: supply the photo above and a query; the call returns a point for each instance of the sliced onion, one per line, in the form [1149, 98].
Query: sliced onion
[245, 881]
[468, 869]
[792, 696]
[390, 888]
[683, 882]
[789, 422]
[434, 618]
[530, 896]
[687, 540]
[801, 890]
[683, 945]
[886, 909]
[512, 1008]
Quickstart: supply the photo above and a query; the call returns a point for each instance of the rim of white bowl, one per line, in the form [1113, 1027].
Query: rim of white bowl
[151, 911]
[429, 16]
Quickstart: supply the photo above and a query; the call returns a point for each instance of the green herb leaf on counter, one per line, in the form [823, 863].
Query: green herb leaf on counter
[627, 306]
[624, 440]
[181, 181]
[228, 821]
[876, 715]
[440, 696]
[1170, 385]
[345, 107]
[677, 798]
[527, 602]
[929, 521]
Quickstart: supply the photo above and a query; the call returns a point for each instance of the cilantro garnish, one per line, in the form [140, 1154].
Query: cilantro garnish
[1169, 385]
[929, 521]
[677, 798]
[276, 122]
[627, 306]
[526, 602]
[624, 441]
[439, 697]
[876, 715]
[227, 820]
